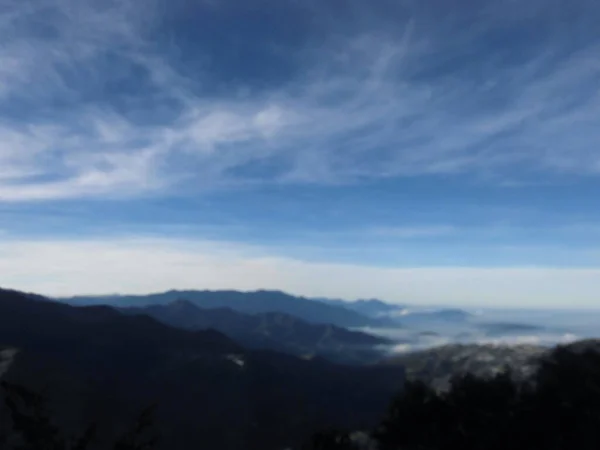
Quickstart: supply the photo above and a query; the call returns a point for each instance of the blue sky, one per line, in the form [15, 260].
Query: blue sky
[430, 151]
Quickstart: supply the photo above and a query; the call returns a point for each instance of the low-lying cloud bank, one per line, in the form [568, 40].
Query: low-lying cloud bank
[142, 265]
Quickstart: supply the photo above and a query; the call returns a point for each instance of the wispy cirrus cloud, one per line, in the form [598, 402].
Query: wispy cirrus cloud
[98, 100]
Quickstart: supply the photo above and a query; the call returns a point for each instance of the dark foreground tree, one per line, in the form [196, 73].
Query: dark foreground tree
[32, 425]
[331, 440]
[559, 409]
[142, 436]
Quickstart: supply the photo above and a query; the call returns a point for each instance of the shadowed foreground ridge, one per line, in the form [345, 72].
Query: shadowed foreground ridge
[98, 368]
[96, 365]
[557, 409]
[33, 429]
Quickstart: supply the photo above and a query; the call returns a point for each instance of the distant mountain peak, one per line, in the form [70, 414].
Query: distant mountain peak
[183, 304]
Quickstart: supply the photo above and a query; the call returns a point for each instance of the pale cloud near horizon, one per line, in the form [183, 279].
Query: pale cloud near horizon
[143, 265]
[336, 122]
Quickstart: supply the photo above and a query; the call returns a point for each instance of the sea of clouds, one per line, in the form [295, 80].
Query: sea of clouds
[495, 327]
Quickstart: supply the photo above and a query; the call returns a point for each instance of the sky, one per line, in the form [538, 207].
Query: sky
[418, 151]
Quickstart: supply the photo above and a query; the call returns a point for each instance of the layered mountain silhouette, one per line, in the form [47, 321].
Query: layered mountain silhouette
[273, 331]
[348, 314]
[257, 302]
[96, 364]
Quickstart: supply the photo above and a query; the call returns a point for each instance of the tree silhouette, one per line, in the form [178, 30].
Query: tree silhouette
[558, 409]
[142, 436]
[31, 421]
[331, 439]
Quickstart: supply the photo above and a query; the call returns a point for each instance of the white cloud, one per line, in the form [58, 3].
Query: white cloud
[141, 265]
[359, 109]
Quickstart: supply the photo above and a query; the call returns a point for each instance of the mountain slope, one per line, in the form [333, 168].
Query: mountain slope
[96, 364]
[436, 366]
[274, 331]
[257, 302]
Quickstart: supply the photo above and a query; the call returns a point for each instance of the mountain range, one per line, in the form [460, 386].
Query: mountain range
[273, 331]
[257, 302]
[349, 314]
[96, 364]
[246, 375]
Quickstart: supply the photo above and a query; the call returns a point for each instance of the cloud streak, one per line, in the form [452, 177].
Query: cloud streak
[441, 97]
[63, 267]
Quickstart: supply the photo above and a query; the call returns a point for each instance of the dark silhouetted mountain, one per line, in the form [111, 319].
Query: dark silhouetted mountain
[272, 331]
[96, 364]
[256, 302]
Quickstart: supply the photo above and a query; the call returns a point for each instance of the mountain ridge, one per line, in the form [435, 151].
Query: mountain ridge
[271, 330]
[99, 365]
[250, 302]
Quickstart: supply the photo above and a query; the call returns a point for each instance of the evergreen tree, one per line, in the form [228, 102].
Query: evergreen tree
[31, 422]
